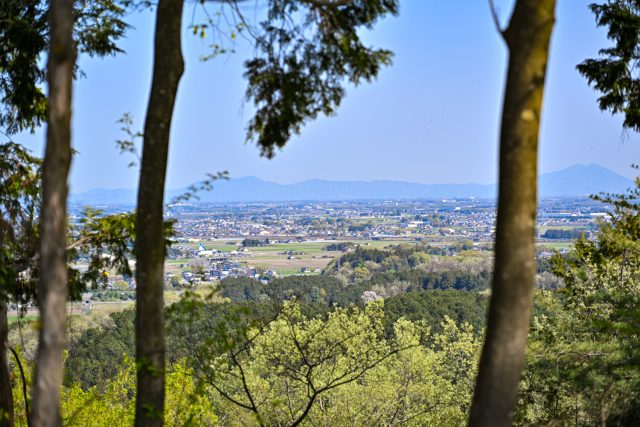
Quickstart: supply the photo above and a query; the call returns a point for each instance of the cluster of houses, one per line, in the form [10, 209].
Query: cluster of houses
[357, 220]
[213, 270]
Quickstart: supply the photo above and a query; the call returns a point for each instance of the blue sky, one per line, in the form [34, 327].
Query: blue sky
[432, 117]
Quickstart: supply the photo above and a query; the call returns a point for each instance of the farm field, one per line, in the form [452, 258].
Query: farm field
[285, 258]
[555, 245]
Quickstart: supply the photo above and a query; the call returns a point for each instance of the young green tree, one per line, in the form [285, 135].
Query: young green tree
[298, 73]
[336, 370]
[527, 38]
[114, 403]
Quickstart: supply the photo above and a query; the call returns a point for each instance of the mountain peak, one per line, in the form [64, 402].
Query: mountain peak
[583, 180]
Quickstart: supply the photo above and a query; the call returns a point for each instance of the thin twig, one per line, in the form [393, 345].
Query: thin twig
[496, 19]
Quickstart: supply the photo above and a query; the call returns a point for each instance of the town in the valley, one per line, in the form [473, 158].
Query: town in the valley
[269, 240]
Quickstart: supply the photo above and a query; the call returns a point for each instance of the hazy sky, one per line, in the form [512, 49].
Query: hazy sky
[432, 117]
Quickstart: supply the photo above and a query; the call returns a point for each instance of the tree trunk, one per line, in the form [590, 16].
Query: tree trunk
[6, 394]
[52, 286]
[150, 244]
[527, 39]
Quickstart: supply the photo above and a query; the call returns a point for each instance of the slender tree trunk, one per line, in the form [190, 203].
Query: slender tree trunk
[6, 394]
[527, 39]
[52, 286]
[150, 244]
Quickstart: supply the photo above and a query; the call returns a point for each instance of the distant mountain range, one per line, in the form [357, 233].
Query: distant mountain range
[575, 181]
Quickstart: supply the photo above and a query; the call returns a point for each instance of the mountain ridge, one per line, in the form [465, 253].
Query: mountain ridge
[575, 181]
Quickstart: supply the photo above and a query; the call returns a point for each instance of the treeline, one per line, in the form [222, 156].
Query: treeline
[252, 243]
[565, 234]
[331, 291]
[306, 289]
[339, 247]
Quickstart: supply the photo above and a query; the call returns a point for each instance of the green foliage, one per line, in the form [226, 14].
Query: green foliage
[113, 295]
[339, 370]
[411, 268]
[107, 242]
[241, 364]
[21, 44]
[361, 273]
[305, 50]
[128, 145]
[113, 403]
[467, 245]
[431, 307]
[24, 34]
[19, 205]
[614, 74]
[354, 228]
[584, 353]
[392, 258]
[121, 285]
[99, 24]
[341, 247]
[98, 353]
[564, 234]
[386, 273]
[175, 281]
[307, 289]
[250, 243]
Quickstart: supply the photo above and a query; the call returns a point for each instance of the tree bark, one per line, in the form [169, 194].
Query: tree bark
[527, 39]
[6, 394]
[52, 286]
[150, 241]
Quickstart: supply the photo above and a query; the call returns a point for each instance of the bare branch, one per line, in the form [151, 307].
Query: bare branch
[78, 243]
[245, 386]
[496, 19]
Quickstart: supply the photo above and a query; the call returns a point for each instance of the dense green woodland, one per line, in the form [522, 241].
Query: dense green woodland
[98, 352]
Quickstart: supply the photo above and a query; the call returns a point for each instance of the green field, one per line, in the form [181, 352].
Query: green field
[218, 245]
[309, 254]
[556, 245]
[29, 318]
